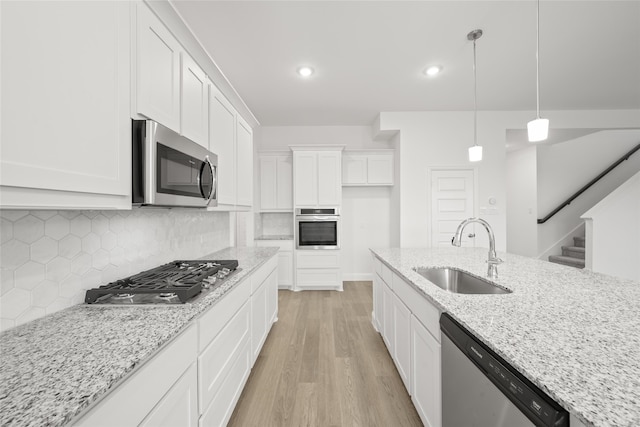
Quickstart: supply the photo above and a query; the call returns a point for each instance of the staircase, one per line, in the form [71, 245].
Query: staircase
[571, 255]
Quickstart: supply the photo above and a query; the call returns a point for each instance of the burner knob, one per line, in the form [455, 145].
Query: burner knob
[209, 281]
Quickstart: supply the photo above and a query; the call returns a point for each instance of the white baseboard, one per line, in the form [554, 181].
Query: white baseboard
[357, 277]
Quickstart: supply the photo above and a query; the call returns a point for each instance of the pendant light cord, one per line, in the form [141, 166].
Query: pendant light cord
[538, 60]
[475, 97]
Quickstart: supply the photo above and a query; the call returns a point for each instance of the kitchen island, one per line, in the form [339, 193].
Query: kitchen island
[573, 333]
[55, 368]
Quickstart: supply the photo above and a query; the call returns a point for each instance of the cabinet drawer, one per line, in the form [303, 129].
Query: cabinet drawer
[215, 362]
[259, 276]
[221, 408]
[312, 278]
[422, 309]
[139, 394]
[318, 259]
[284, 245]
[212, 322]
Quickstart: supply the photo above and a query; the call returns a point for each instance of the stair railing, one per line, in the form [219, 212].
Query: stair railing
[586, 187]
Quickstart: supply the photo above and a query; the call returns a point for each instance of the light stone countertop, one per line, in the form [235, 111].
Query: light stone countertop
[573, 333]
[53, 368]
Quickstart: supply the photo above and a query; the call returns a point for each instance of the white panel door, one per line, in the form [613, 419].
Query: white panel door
[329, 178]
[195, 102]
[222, 136]
[158, 67]
[452, 198]
[305, 178]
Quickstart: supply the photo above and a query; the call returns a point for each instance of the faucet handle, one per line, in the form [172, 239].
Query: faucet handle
[494, 261]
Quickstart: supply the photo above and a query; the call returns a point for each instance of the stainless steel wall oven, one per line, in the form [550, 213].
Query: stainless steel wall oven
[317, 228]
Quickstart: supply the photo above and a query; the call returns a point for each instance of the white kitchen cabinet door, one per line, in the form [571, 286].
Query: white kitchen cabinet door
[329, 178]
[259, 328]
[387, 327]
[66, 122]
[222, 136]
[244, 171]
[179, 407]
[268, 182]
[380, 169]
[158, 70]
[354, 169]
[284, 183]
[378, 308]
[285, 269]
[305, 178]
[425, 375]
[402, 340]
[195, 102]
[272, 299]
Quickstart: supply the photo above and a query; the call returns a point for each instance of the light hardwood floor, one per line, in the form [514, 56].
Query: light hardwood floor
[323, 364]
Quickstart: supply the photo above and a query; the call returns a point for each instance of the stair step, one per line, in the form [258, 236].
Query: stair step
[579, 242]
[565, 260]
[574, 251]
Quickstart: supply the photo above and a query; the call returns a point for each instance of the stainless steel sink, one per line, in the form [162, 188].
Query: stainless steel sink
[459, 282]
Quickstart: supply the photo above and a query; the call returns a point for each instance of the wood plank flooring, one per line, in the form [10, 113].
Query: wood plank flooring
[323, 364]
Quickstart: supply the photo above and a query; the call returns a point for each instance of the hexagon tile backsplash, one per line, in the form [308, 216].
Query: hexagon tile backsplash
[50, 258]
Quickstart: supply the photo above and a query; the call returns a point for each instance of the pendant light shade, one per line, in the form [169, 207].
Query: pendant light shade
[538, 129]
[475, 152]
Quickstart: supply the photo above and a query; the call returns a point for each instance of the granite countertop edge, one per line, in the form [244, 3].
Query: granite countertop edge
[60, 348]
[275, 237]
[589, 405]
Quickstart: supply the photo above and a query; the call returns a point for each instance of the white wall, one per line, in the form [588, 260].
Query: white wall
[365, 212]
[442, 138]
[613, 228]
[366, 224]
[562, 169]
[522, 230]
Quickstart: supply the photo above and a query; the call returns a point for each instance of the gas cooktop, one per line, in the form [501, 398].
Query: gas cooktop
[176, 282]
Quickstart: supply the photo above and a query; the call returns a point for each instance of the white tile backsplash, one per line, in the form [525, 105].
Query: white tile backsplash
[50, 258]
[274, 223]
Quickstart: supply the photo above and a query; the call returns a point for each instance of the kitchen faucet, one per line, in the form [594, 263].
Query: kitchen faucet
[493, 260]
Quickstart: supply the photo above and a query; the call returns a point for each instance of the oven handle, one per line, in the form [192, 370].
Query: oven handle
[317, 218]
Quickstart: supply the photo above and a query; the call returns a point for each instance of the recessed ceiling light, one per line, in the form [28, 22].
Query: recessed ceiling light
[433, 70]
[305, 71]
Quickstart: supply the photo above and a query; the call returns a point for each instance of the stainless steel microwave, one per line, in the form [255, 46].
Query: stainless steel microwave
[170, 170]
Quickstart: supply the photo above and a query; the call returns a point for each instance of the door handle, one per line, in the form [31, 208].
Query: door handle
[471, 235]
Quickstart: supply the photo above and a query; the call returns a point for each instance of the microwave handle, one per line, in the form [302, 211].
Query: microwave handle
[214, 180]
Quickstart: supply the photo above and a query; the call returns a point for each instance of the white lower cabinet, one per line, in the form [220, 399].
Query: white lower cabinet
[425, 374]
[285, 260]
[409, 325]
[318, 270]
[402, 340]
[197, 378]
[179, 407]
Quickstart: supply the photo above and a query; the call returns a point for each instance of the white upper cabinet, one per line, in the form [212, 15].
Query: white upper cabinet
[276, 182]
[244, 143]
[317, 178]
[158, 70]
[66, 126]
[222, 136]
[367, 168]
[195, 102]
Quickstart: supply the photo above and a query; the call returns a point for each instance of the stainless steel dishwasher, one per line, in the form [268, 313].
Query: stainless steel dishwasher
[479, 389]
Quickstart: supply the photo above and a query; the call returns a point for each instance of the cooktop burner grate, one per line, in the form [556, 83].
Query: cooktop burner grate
[182, 279]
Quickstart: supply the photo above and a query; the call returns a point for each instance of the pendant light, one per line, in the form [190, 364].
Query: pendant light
[475, 152]
[538, 129]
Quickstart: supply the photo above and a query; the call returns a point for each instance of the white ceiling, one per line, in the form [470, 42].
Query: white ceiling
[369, 55]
